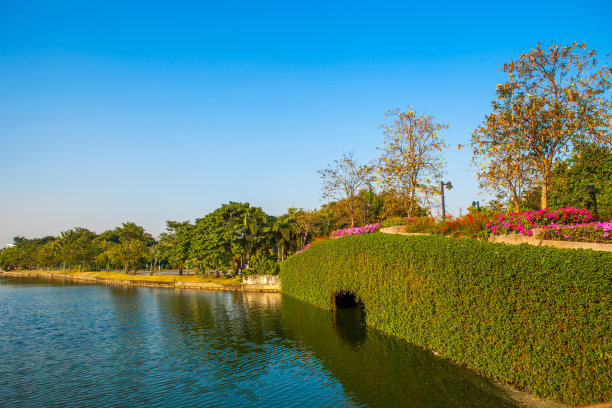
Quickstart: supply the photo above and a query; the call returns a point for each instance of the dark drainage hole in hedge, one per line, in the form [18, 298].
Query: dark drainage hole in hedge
[343, 300]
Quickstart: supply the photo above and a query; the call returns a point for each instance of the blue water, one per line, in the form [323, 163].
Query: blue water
[67, 344]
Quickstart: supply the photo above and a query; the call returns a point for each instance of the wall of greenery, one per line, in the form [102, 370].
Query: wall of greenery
[537, 317]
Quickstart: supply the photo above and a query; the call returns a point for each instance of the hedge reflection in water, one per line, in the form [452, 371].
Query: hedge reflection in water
[373, 368]
[146, 346]
[380, 370]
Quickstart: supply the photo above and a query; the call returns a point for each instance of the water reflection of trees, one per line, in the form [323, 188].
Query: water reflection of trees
[379, 370]
[221, 337]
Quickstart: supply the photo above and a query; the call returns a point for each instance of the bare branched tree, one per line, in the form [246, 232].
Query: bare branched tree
[411, 160]
[343, 180]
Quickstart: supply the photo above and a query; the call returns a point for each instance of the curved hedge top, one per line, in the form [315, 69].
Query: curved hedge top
[535, 316]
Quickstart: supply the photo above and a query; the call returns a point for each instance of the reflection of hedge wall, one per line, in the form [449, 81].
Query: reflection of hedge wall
[407, 376]
[534, 316]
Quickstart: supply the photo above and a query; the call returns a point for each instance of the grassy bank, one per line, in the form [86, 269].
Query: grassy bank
[536, 317]
[156, 278]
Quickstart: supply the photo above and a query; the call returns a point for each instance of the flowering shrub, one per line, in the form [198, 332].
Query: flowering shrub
[592, 232]
[356, 230]
[469, 225]
[526, 221]
[308, 245]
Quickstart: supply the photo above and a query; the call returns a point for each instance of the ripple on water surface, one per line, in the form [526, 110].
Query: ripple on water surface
[88, 345]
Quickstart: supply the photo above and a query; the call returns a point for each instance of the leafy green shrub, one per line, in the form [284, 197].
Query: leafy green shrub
[538, 317]
[597, 232]
[262, 265]
[470, 225]
[421, 224]
[392, 222]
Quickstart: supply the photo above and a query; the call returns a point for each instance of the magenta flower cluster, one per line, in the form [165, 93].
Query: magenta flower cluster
[524, 222]
[356, 230]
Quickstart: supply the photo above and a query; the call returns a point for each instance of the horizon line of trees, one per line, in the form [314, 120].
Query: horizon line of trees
[235, 236]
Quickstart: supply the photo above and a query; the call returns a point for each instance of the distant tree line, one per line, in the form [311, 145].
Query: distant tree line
[235, 236]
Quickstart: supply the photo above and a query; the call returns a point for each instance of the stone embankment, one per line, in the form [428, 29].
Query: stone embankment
[251, 283]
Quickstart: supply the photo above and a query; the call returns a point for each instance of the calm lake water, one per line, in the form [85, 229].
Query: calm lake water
[69, 344]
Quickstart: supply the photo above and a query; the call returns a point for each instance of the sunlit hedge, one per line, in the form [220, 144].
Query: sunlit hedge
[538, 317]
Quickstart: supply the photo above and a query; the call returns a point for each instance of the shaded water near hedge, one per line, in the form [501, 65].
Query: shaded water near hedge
[70, 344]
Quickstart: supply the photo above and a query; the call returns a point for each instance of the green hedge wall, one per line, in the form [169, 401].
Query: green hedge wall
[537, 317]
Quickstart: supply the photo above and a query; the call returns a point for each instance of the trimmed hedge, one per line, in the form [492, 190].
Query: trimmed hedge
[537, 317]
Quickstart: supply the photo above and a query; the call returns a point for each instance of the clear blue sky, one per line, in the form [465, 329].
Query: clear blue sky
[148, 111]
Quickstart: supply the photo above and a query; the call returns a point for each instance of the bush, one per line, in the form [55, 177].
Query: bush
[262, 265]
[597, 232]
[421, 224]
[470, 225]
[537, 317]
[392, 222]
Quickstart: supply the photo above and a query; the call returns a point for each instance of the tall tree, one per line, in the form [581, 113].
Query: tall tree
[132, 247]
[233, 232]
[589, 165]
[177, 242]
[505, 171]
[305, 224]
[411, 156]
[343, 180]
[556, 97]
[284, 233]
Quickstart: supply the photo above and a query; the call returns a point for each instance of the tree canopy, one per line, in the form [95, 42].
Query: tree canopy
[411, 160]
[556, 98]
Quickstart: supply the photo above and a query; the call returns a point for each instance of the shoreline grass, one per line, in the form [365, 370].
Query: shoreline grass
[153, 278]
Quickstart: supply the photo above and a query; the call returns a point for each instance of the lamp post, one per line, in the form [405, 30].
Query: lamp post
[448, 186]
[477, 205]
[593, 191]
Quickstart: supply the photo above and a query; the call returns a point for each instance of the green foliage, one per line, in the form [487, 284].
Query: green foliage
[597, 232]
[537, 317]
[132, 249]
[230, 235]
[421, 224]
[175, 243]
[263, 265]
[392, 222]
[589, 165]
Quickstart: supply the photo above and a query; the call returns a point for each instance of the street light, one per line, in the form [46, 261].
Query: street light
[477, 205]
[448, 186]
[593, 191]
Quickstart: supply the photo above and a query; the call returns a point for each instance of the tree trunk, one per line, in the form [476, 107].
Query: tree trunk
[545, 185]
[181, 268]
[515, 200]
